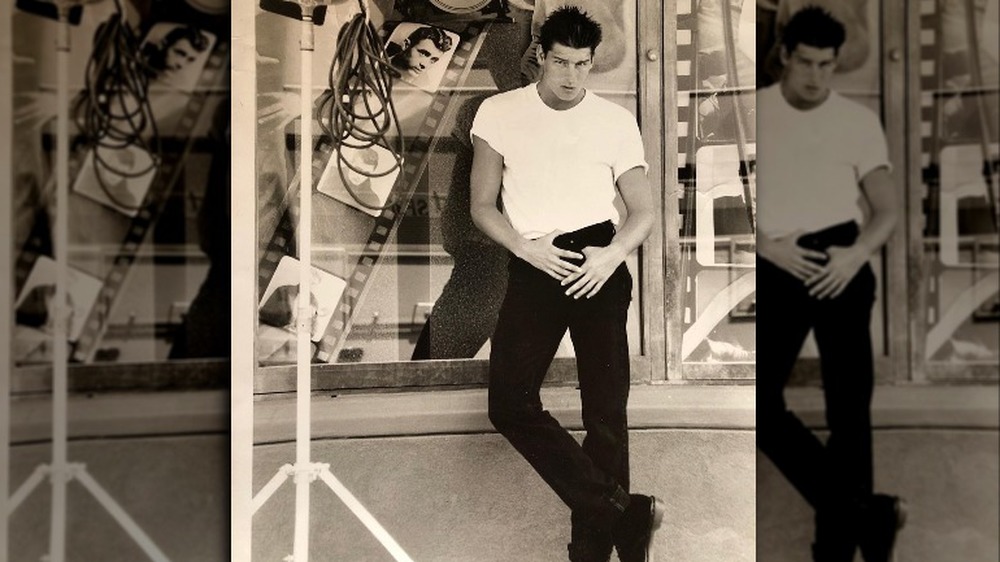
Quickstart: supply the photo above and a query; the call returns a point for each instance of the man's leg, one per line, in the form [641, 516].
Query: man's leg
[843, 336]
[783, 322]
[844, 340]
[598, 329]
[530, 326]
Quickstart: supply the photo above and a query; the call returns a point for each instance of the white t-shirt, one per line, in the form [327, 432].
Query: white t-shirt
[559, 166]
[810, 162]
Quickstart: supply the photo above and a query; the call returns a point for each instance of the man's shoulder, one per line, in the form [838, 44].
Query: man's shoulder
[508, 98]
[852, 109]
[609, 109]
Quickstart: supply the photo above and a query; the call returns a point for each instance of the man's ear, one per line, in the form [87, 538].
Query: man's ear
[405, 46]
[539, 54]
[784, 55]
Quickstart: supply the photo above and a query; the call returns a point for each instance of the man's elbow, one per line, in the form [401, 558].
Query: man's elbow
[478, 213]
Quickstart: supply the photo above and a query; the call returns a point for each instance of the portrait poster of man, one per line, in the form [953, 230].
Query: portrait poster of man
[175, 55]
[119, 178]
[365, 170]
[421, 53]
[34, 303]
[279, 306]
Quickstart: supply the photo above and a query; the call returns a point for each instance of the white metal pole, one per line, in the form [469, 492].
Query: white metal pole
[60, 308]
[6, 260]
[304, 357]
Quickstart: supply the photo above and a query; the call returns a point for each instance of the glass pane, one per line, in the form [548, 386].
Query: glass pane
[960, 159]
[148, 228]
[717, 143]
[403, 272]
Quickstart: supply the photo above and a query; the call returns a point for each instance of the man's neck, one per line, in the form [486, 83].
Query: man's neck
[554, 101]
[800, 103]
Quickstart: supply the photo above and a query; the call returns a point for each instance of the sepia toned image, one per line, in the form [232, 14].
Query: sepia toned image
[877, 365]
[458, 404]
[500, 280]
[116, 258]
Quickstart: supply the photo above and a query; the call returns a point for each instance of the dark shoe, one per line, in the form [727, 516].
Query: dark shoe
[582, 553]
[882, 517]
[836, 538]
[633, 532]
[589, 543]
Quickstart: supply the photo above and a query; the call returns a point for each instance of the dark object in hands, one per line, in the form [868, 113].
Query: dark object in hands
[293, 10]
[50, 10]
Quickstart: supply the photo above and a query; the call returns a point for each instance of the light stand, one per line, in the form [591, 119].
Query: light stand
[61, 471]
[6, 257]
[304, 471]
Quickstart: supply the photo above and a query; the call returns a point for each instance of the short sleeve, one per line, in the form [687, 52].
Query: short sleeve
[486, 125]
[630, 152]
[873, 151]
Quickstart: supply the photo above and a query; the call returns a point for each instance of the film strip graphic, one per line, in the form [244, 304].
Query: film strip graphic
[214, 75]
[933, 141]
[418, 149]
[687, 52]
[690, 93]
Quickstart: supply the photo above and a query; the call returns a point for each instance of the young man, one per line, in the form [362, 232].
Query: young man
[554, 153]
[820, 155]
[178, 49]
[422, 48]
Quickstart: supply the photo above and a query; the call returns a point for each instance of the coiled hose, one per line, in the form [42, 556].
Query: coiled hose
[357, 111]
[113, 111]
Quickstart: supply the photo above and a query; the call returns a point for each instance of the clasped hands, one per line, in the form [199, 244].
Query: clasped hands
[824, 280]
[584, 280]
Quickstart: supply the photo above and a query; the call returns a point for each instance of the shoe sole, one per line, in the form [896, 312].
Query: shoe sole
[656, 512]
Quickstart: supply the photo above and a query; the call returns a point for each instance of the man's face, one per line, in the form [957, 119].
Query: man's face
[808, 70]
[564, 71]
[421, 55]
[179, 55]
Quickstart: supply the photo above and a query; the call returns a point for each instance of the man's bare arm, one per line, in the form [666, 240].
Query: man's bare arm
[846, 261]
[487, 172]
[633, 231]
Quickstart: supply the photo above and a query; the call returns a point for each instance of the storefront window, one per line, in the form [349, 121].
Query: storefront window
[716, 128]
[148, 187]
[400, 271]
[960, 161]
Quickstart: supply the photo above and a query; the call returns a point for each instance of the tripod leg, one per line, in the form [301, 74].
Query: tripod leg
[272, 486]
[366, 518]
[29, 485]
[119, 514]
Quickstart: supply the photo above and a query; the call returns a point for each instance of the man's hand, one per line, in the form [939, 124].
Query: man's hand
[544, 255]
[789, 256]
[845, 261]
[595, 272]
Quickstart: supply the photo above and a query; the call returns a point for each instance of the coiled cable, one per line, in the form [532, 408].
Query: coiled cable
[357, 110]
[113, 111]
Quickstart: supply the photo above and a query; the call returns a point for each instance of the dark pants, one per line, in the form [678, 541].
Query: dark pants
[591, 479]
[828, 476]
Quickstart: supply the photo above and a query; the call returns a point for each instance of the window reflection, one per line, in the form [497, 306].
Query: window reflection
[717, 135]
[421, 281]
[148, 210]
[960, 156]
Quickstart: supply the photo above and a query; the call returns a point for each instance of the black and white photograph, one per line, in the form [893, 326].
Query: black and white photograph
[361, 178]
[175, 54]
[497, 362]
[500, 280]
[114, 393]
[421, 53]
[876, 377]
[117, 178]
